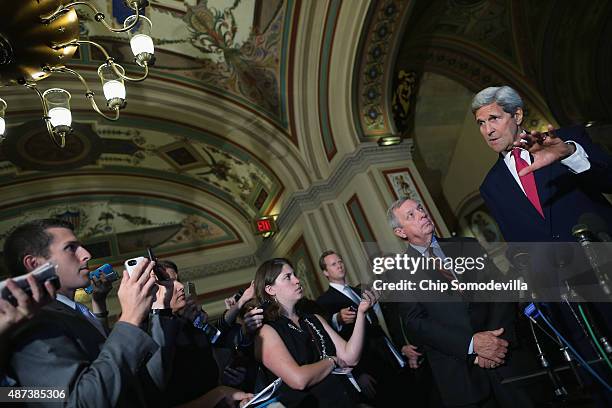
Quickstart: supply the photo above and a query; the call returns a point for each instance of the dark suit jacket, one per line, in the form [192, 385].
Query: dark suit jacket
[59, 348]
[444, 328]
[376, 358]
[564, 196]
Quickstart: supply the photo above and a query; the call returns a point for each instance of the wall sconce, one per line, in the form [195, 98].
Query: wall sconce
[389, 141]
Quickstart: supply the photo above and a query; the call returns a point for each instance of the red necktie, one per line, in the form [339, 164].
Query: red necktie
[528, 181]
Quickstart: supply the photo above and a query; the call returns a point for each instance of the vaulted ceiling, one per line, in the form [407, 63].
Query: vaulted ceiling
[218, 135]
[250, 101]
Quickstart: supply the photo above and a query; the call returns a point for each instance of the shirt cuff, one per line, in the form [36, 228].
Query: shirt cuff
[471, 348]
[337, 326]
[578, 161]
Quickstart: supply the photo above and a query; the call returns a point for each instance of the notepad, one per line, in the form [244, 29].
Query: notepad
[265, 394]
[348, 372]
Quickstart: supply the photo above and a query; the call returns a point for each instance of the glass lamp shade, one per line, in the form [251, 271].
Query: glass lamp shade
[58, 104]
[140, 35]
[60, 117]
[141, 43]
[112, 83]
[114, 89]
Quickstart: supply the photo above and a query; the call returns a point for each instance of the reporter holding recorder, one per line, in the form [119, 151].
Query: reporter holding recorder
[191, 369]
[301, 348]
[63, 346]
[11, 316]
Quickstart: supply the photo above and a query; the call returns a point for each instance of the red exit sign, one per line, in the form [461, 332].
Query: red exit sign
[265, 226]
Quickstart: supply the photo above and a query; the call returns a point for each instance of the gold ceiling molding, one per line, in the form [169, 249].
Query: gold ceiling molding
[379, 45]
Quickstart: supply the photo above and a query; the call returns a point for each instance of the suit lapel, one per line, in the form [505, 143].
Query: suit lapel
[70, 313]
[510, 188]
[340, 296]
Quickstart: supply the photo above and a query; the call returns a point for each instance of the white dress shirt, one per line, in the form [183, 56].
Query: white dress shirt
[577, 162]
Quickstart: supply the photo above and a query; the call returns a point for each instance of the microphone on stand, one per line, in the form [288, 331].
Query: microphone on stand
[584, 233]
[596, 225]
[570, 361]
[586, 238]
[520, 261]
[559, 389]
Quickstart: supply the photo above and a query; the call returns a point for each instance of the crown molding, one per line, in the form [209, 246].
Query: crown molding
[366, 155]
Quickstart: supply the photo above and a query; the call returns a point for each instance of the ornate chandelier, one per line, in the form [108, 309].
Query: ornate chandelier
[38, 36]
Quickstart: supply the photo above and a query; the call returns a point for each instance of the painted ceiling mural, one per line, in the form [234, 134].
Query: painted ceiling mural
[153, 149]
[234, 49]
[232, 46]
[117, 227]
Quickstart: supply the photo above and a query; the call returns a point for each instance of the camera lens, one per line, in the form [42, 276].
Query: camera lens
[132, 262]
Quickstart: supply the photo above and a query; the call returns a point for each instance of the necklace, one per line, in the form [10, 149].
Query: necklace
[321, 339]
[294, 327]
[322, 349]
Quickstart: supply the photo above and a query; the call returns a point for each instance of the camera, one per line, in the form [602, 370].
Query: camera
[105, 270]
[42, 274]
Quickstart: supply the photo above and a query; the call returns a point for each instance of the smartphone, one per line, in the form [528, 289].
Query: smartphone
[43, 273]
[238, 295]
[130, 264]
[190, 289]
[159, 274]
[353, 308]
[106, 270]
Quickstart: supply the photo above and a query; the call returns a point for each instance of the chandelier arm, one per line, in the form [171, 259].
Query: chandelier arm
[52, 134]
[73, 72]
[95, 44]
[99, 16]
[112, 62]
[89, 94]
[127, 78]
[94, 105]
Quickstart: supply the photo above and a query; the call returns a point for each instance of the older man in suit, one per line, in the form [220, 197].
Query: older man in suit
[466, 343]
[64, 346]
[542, 185]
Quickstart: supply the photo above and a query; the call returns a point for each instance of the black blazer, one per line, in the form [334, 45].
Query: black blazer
[443, 329]
[564, 196]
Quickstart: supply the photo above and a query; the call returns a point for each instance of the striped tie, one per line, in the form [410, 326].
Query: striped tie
[81, 308]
